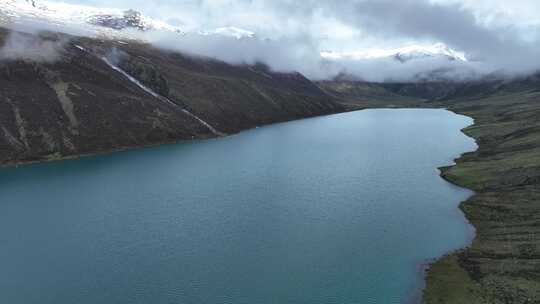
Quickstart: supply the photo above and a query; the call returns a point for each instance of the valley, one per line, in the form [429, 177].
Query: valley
[83, 96]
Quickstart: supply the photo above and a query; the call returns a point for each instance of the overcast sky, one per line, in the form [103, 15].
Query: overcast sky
[496, 34]
[373, 20]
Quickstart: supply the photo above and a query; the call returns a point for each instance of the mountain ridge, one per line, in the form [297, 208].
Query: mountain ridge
[403, 54]
[102, 95]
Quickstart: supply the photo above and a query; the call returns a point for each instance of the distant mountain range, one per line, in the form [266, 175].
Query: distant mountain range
[403, 55]
[103, 21]
[440, 62]
[79, 16]
[111, 21]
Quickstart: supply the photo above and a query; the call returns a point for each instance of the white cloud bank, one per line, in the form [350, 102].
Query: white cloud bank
[495, 35]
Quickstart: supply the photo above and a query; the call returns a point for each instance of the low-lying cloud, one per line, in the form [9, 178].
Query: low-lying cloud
[301, 30]
[285, 54]
[34, 48]
[498, 47]
[292, 34]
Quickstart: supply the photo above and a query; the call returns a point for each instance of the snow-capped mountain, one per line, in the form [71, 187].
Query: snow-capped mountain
[103, 21]
[79, 15]
[123, 25]
[70, 14]
[405, 54]
[129, 19]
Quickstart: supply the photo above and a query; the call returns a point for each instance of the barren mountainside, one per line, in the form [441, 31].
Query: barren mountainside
[100, 95]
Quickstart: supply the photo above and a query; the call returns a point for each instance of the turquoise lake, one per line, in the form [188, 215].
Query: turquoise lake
[337, 209]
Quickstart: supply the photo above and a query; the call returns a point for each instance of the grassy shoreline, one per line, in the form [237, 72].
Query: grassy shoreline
[443, 276]
[502, 265]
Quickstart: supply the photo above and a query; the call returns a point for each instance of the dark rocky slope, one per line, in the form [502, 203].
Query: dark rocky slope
[78, 104]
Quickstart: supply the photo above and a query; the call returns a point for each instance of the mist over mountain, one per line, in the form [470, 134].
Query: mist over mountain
[381, 41]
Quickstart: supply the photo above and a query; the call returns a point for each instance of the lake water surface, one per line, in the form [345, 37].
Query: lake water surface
[337, 209]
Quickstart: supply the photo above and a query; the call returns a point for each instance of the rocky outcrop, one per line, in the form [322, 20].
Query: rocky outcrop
[130, 19]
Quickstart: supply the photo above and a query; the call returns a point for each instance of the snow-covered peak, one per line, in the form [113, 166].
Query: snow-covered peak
[102, 21]
[442, 48]
[129, 19]
[403, 54]
[77, 15]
